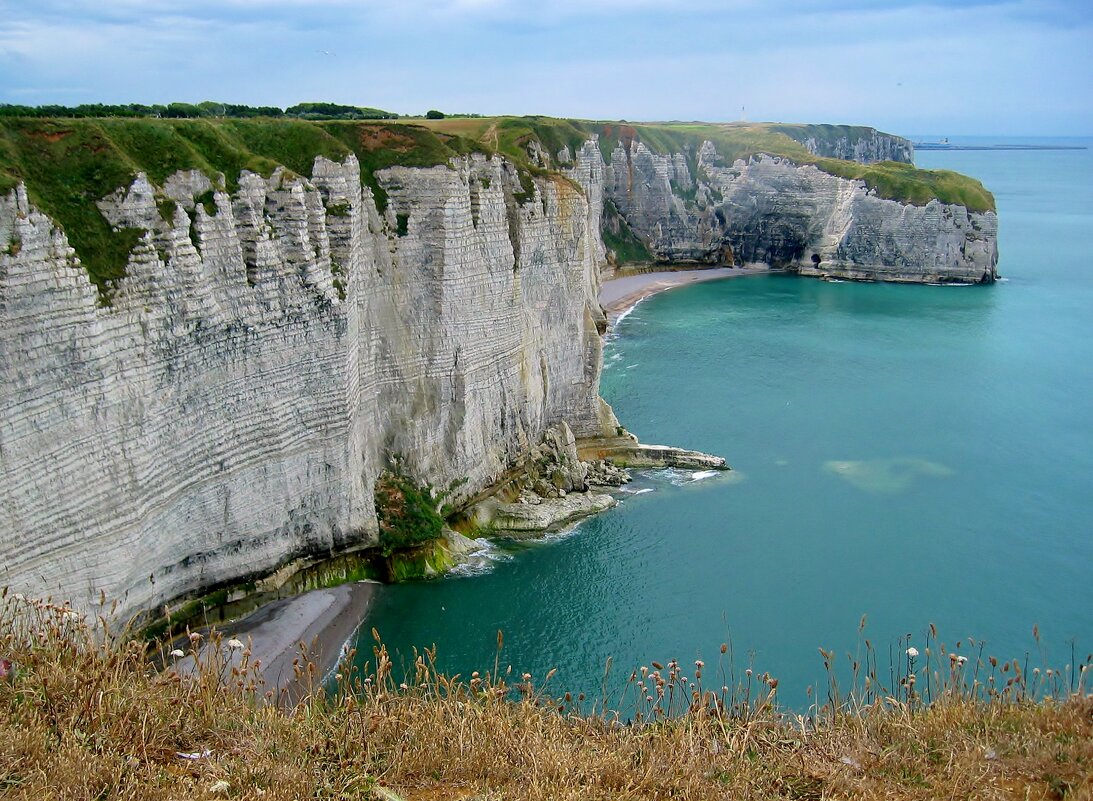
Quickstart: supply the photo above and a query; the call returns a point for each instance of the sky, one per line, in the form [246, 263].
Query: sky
[1019, 68]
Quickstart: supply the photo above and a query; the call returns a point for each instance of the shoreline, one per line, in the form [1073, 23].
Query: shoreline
[618, 295]
[319, 624]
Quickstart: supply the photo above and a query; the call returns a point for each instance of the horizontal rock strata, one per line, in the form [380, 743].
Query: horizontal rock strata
[770, 210]
[225, 411]
[626, 451]
[231, 406]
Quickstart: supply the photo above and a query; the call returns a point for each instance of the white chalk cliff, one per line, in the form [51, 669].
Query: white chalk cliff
[230, 409]
[232, 405]
[770, 210]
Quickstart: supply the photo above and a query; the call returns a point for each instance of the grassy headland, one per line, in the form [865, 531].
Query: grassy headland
[86, 714]
[891, 180]
[69, 163]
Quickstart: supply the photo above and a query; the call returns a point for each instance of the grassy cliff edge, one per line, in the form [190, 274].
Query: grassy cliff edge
[87, 713]
[69, 164]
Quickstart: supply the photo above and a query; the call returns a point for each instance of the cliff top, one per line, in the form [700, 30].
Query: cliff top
[69, 163]
[891, 180]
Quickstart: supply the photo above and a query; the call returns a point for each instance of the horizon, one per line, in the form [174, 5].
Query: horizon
[974, 67]
[913, 137]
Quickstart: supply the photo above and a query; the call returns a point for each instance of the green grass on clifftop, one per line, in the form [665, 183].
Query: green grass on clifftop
[69, 164]
[890, 180]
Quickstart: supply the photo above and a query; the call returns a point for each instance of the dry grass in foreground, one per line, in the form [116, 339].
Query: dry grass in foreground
[84, 715]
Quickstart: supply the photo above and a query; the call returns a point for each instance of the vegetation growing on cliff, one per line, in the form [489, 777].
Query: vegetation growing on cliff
[890, 180]
[620, 239]
[69, 164]
[207, 108]
[85, 713]
[407, 512]
[824, 133]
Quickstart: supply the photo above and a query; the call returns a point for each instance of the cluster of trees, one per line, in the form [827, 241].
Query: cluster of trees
[306, 111]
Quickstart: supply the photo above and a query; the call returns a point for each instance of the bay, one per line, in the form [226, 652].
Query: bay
[914, 454]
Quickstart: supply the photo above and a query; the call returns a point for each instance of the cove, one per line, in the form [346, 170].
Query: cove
[915, 454]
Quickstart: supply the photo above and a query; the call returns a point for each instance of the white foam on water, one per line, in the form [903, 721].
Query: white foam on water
[560, 534]
[701, 474]
[481, 561]
[626, 313]
[673, 475]
[679, 477]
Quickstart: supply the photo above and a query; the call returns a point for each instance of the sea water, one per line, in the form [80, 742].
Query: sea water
[914, 454]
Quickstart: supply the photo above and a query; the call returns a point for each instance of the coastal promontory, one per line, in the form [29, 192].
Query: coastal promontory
[217, 336]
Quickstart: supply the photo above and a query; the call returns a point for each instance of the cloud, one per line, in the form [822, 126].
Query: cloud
[963, 66]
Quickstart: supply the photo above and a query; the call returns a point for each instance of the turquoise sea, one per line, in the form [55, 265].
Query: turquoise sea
[914, 454]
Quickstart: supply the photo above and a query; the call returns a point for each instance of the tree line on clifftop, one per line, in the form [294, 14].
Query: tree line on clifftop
[208, 108]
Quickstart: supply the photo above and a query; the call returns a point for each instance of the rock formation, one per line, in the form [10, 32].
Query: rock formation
[769, 209]
[233, 404]
[851, 142]
[228, 406]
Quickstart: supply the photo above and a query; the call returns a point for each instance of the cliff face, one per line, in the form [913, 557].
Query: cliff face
[851, 142]
[769, 209]
[233, 405]
[269, 351]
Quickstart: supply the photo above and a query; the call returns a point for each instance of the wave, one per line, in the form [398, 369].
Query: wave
[703, 474]
[679, 477]
[481, 561]
[626, 313]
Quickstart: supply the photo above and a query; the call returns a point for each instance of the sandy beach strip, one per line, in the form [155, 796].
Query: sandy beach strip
[619, 294]
[323, 621]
